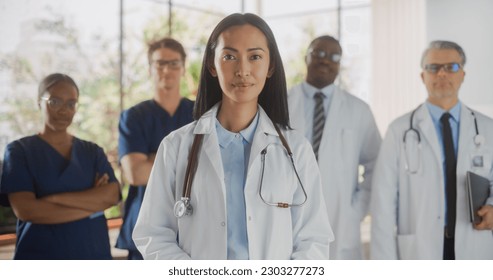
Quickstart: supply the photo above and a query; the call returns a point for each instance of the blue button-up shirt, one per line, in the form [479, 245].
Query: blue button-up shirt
[308, 94]
[436, 113]
[235, 153]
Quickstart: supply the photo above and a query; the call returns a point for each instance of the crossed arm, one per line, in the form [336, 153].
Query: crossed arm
[137, 168]
[65, 207]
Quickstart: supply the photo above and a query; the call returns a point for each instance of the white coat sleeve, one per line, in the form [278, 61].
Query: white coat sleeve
[312, 232]
[155, 232]
[370, 146]
[384, 195]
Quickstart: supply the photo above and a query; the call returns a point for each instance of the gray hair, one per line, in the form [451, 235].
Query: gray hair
[444, 45]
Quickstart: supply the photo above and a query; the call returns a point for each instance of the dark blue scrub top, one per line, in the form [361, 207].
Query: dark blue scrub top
[31, 164]
[142, 128]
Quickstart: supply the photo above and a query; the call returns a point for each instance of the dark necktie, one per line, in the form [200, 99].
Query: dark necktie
[451, 181]
[318, 122]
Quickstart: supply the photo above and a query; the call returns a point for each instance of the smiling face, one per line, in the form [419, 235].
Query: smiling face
[442, 86]
[57, 105]
[241, 63]
[322, 72]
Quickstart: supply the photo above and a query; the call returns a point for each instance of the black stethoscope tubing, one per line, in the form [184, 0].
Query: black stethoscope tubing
[412, 129]
[281, 204]
[183, 207]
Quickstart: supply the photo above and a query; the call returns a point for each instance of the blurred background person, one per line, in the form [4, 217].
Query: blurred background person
[344, 136]
[59, 185]
[143, 126]
[419, 204]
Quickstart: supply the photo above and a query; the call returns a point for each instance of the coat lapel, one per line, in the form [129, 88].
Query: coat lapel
[262, 138]
[210, 145]
[332, 121]
[427, 131]
[467, 133]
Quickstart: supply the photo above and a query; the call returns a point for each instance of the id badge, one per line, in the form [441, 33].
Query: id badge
[479, 162]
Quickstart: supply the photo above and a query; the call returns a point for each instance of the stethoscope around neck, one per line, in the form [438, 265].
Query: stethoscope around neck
[478, 140]
[184, 208]
[263, 154]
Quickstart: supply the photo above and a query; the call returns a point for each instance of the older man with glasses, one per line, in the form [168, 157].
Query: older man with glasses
[345, 140]
[143, 126]
[420, 205]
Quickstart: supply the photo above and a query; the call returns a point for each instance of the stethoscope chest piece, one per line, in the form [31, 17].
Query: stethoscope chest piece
[183, 208]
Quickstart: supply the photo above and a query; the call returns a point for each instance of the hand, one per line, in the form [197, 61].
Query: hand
[100, 180]
[486, 213]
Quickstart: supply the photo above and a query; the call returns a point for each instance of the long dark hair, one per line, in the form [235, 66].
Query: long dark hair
[272, 98]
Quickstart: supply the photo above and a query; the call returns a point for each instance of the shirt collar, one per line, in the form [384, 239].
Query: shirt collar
[225, 136]
[310, 90]
[437, 112]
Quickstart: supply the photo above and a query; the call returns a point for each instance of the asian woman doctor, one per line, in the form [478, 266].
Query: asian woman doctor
[249, 198]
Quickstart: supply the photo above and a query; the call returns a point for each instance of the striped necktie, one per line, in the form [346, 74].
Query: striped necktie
[318, 122]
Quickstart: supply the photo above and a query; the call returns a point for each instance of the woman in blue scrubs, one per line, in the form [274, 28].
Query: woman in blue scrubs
[59, 185]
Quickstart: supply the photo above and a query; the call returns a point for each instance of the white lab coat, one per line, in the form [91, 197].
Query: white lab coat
[408, 210]
[273, 233]
[350, 139]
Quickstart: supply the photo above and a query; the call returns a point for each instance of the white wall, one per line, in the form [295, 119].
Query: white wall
[398, 41]
[468, 23]
[401, 31]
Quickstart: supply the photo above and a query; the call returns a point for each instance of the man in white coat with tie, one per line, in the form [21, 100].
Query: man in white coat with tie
[419, 204]
[344, 137]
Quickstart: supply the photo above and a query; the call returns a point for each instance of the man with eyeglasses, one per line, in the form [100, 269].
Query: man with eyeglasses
[419, 204]
[345, 139]
[143, 126]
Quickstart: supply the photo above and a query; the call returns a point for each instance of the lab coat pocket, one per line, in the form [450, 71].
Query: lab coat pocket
[406, 249]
